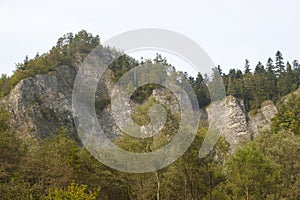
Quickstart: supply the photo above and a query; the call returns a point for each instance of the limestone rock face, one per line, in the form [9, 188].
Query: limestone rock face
[166, 97]
[261, 120]
[41, 104]
[235, 124]
[286, 98]
[228, 117]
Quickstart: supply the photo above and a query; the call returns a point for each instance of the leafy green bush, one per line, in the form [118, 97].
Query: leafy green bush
[251, 175]
[288, 117]
[4, 117]
[69, 50]
[74, 192]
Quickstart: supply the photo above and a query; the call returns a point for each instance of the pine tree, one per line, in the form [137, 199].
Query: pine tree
[270, 65]
[290, 78]
[287, 117]
[239, 74]
[296, 72]
[296, 65]
[279, 63]
[285, 81]
[247, 66]
[249, 91]
[270, 81]
[230, 87]
[201, 91]
[260, 69]
[220, 70]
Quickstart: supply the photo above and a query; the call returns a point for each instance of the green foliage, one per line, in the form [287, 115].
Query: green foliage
[283, 148]
[16, 189]
[279, 63]
[140, 114]
[4, 117]
[121, 65]
[10, 148]
[50, 164]
[69, 50]
[266, 83]
[201, 90]
[11, 153]
[270, 83]
[58, 168]
[102, 103]
[267, 168]
[193, 178]
[74, 192]
[288, 117]
[187, 178]
[4, 85]
[140, 117]
[251, 175]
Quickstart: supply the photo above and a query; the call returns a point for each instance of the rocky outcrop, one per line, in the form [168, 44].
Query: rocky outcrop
[261, 120]
[167, 98]
[286, 98]
[41, 104]
[235, 124]
[228, 117]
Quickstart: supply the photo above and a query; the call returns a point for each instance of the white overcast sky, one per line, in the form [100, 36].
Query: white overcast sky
[228, 30]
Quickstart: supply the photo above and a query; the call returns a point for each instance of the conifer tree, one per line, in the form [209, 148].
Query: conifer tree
[247, 66]
[279, 63]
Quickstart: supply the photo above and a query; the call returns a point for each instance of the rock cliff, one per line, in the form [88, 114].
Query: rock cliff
[39, 105]
[261, 120]
[229, 118]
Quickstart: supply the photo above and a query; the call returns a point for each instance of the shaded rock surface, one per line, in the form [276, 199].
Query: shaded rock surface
[41, 104]
[261, 120]
[228, 117]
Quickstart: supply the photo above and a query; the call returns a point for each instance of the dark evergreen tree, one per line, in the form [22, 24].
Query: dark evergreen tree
[220, 70]
[201, 91]
[279, 63]
[247, 66]
[260, 69]
[285, 82]
[296, 72]
[296, 65]
[239, 74]
[270, 65]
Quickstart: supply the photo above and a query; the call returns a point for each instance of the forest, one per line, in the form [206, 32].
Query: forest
[267, 167]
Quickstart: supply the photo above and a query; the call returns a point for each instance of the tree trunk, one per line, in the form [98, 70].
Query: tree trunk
[158, 185]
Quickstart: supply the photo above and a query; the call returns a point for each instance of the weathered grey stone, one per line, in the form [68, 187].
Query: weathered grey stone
[229, 118]
[39, 105]
[261, 120]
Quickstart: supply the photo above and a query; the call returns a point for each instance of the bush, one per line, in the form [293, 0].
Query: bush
[288, 117]
[74, 192]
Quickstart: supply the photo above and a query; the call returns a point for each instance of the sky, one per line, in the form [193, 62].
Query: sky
[229, 31]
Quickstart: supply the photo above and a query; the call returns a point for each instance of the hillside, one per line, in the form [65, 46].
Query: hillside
[41, 154]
